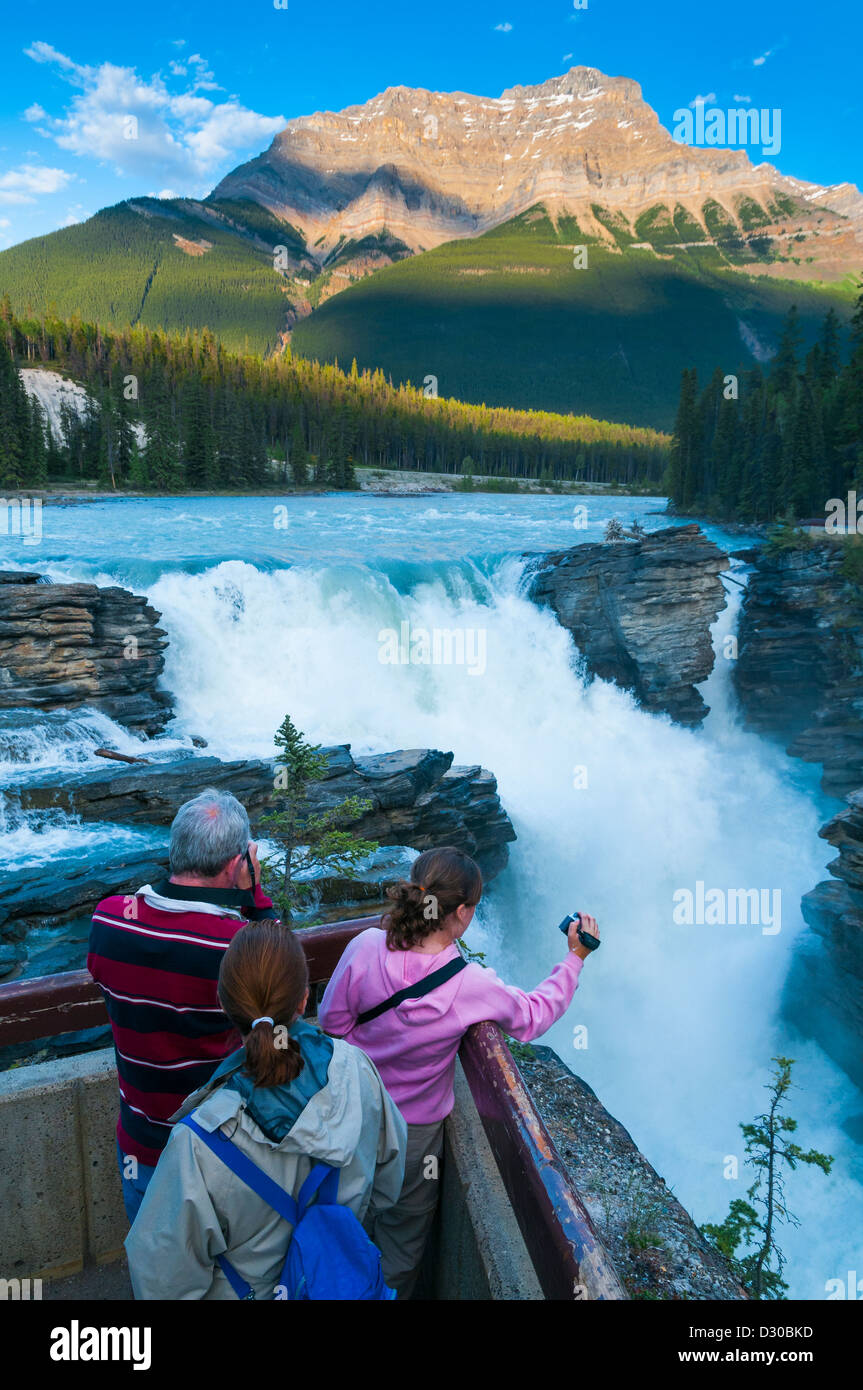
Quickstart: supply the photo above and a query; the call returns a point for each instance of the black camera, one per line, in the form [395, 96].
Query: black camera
[585, 937]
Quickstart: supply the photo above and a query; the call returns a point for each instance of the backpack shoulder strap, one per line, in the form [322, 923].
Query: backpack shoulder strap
[248, 1172]
[422, 987]
[323, 1182]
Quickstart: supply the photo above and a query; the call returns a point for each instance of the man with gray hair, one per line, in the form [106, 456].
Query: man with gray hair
[155, 955]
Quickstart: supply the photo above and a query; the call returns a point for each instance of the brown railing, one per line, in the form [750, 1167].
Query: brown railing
[569, 1259]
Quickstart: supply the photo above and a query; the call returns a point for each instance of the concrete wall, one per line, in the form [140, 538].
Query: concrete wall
[479, 1251]
[61, 1206]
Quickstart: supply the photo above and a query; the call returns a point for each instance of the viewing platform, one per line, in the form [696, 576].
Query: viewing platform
[511, 1223]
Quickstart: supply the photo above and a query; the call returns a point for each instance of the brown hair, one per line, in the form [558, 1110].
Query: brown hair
[441, 880]
[264, 972]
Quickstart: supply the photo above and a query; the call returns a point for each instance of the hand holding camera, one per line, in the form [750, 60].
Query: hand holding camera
[582, 933]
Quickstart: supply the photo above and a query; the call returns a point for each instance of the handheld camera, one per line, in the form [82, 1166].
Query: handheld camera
[585, 937]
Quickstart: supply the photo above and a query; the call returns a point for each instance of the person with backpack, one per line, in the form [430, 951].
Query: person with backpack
[406, 995]
[273, 1165]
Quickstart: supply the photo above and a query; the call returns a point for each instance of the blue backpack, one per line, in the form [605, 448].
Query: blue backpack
[329, 1255]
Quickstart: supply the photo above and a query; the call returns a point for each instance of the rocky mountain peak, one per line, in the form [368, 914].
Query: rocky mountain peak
[429, 167]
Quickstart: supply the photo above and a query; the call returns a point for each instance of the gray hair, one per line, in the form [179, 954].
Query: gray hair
[208, 831]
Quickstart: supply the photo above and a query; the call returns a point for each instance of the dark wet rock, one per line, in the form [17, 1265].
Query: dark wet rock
[640, 613]
[834, 911]
[417, 799]
[799, 672]
[50, 895]
[145, 792]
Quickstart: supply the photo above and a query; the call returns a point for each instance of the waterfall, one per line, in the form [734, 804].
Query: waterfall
[616, 810]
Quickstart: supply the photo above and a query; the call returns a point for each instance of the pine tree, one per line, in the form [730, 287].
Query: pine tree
[198, 443]
[784, 373]
[681, 469]
[164, 469]
[15, 422]
[299, 458]
[308, 845]
[753, 1223]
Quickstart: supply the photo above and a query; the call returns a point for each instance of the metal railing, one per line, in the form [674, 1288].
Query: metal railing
[568, 1257]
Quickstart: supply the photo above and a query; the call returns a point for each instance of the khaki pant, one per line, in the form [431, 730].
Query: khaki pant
[401, 1232]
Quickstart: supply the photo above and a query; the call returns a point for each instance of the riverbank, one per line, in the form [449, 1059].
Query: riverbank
[379, 482]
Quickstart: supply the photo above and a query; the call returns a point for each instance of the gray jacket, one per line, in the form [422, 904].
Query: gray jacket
[195, 1208]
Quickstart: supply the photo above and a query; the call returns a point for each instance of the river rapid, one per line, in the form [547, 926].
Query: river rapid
[272, 611]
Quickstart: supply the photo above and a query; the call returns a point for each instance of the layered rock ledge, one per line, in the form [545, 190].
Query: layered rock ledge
[66, 645]
[640, 613]
[418, 799]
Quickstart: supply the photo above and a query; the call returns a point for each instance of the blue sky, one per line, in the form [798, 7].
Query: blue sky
[211, 81]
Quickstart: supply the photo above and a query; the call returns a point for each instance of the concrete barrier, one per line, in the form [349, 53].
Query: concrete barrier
[61, 1205]
[479, 1252]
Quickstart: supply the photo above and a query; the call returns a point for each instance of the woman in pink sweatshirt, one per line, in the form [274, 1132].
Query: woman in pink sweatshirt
[413, 1041]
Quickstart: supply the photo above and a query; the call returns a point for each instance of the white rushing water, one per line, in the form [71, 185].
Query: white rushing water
[682, 1021]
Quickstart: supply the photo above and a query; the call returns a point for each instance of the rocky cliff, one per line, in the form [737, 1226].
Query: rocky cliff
[427, 167]
[640, 612]
[834, 911]
[655, 1246]
[65, 645]
[799, 676]
[799, 672]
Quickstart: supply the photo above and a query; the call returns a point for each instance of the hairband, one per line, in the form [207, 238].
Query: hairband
[264, 1019]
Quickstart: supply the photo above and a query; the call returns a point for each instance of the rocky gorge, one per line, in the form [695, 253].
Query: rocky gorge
[799, 677]
[640, 613]
[639, 610]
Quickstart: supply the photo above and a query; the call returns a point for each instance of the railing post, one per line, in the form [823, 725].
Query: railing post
[570, 1260]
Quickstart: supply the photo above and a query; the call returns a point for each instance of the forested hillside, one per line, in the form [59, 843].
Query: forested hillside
[213, 419]
[168, 264]
[509, 318]
[503, 319]
[777, 443]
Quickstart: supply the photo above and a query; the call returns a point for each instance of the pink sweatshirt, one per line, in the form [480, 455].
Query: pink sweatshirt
[414, 1045]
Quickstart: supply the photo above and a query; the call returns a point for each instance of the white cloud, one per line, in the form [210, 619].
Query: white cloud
[177, 69]
[146, 128]
[567, 56]
[74, 214]
[4, 222]
[25, 184]
[703, 101]
[503, 28]
[759, 62]
[737, 97]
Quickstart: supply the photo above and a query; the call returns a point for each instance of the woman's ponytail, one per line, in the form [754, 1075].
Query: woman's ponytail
[441, 880]
[262, 984]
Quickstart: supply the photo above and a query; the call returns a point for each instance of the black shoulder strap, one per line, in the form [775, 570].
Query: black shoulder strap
[437, 977]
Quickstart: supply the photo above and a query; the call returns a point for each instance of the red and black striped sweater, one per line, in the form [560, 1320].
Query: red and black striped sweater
[156, 957]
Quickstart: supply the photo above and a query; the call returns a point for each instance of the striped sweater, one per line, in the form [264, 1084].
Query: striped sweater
[156, 957]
